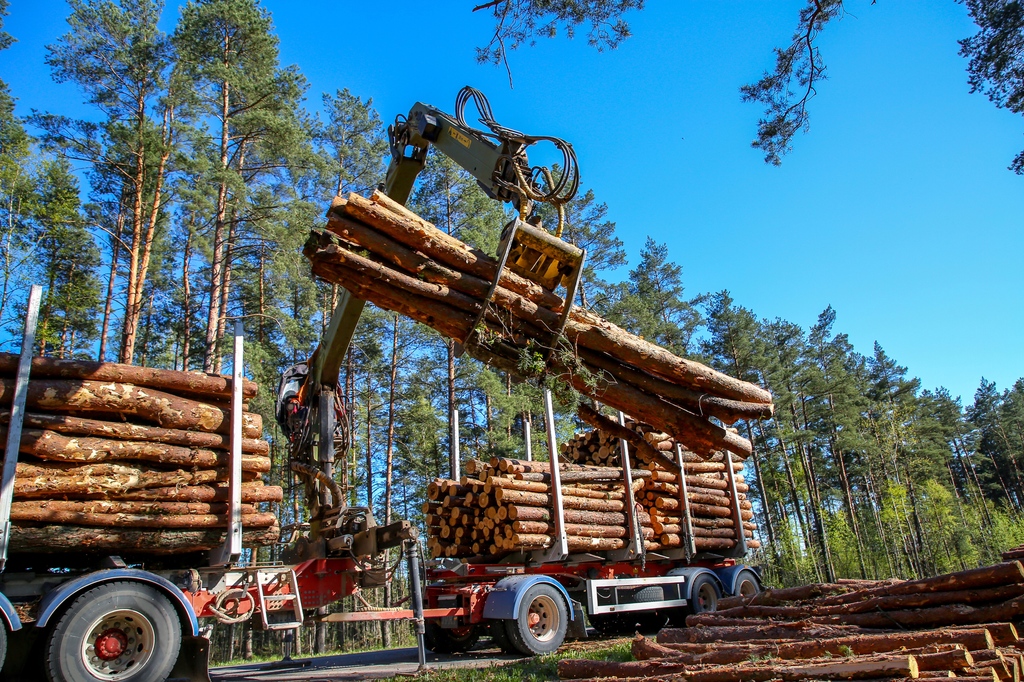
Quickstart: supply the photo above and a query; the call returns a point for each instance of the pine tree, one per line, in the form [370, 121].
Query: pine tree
[120, 59]
[652, 303]
[68, 257]
[228, 52]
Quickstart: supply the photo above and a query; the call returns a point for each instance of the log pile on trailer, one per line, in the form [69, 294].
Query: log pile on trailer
[131, 459]
[505, 505]
[956, 625]
[385, 254]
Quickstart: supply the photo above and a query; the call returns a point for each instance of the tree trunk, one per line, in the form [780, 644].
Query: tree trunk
[90, 540]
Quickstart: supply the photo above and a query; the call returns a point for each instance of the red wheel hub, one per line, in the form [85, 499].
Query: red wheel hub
[111, 644]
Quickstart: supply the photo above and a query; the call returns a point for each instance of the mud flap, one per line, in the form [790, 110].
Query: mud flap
[193, 661]
[578, 625]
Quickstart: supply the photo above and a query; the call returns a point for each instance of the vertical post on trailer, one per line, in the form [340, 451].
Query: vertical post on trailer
[28, 342]
[635, 546]
[412, 549]
[231, 550]
[453, 455]
[684, 504]
[737, 512]
[527, 439]
[561, 544]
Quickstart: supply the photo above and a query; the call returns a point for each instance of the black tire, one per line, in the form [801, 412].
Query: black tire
[747, 584]
[3, 645]
[607, 624]
[704, 594]
[449, 641]
[546, 606]
[132, 622]
[499, 633]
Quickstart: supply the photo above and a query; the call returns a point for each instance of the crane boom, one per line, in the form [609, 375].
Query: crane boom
[497, 159]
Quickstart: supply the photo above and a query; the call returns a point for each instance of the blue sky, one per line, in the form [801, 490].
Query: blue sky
[896, 208]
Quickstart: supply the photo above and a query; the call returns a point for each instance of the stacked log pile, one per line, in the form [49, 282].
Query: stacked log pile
[385, 254]
[707, 486]
[1014, 554]
[505, 506]
[121, 458]
[956, 625]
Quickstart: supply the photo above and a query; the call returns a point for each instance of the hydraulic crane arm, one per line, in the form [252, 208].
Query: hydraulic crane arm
[497, 158]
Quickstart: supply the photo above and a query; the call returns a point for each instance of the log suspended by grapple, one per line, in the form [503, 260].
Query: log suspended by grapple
[384, 253]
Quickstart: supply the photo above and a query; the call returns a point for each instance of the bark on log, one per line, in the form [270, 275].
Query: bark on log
[986, 576]
[78, 426]
[516, 512]
[88, 540]
[894, 666]
[61, 479]
[742, 633]
[158, 407]
[56, 447]
[164, 379]
[887, 603]
[25, 516]
[251, 494]
[724, 409]
[779, 596]
[123, 507]
[644, 449]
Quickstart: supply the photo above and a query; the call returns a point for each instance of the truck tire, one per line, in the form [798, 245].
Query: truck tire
[127, 631]
[499, 633]
[542, 621]
[449, 641]
[704, 594]
[747, 584]
[3, 645]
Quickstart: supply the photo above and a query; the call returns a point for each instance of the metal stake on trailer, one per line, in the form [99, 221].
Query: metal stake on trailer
[559, 549]
[635, 543]
[453, 456]
[231, 550]
[689, 542]
[412, 549]
[526, 439]
[737, 513]
[28, 342]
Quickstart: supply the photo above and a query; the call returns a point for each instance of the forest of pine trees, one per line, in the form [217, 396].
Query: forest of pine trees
[181, 204]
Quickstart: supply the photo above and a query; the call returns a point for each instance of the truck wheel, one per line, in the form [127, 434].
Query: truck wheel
[747, 584]
[542, 621]
[449, 641]
[123, 631]
[703, 594]
[3, 645]
[499, 633]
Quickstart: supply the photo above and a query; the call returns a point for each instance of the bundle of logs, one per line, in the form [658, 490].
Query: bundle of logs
[707, 485]
[385, 254]
[130, 459]
[505, 505]
[955, 625]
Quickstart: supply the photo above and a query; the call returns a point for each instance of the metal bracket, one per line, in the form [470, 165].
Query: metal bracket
[231, 550]
[504, 248]
[28, 342]
[689, 542]
[737, 513]
[559, 549]
[635, 546]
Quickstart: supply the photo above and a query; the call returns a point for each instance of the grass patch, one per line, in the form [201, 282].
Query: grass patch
[537, 669]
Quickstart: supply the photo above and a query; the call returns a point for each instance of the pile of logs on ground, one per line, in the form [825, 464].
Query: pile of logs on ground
[505, 506]
[956, 625]
[1014, 554]
[383, 253]
[132, 459]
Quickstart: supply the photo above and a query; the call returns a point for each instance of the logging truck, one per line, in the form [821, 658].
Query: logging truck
[68, 617]
[527, 601]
